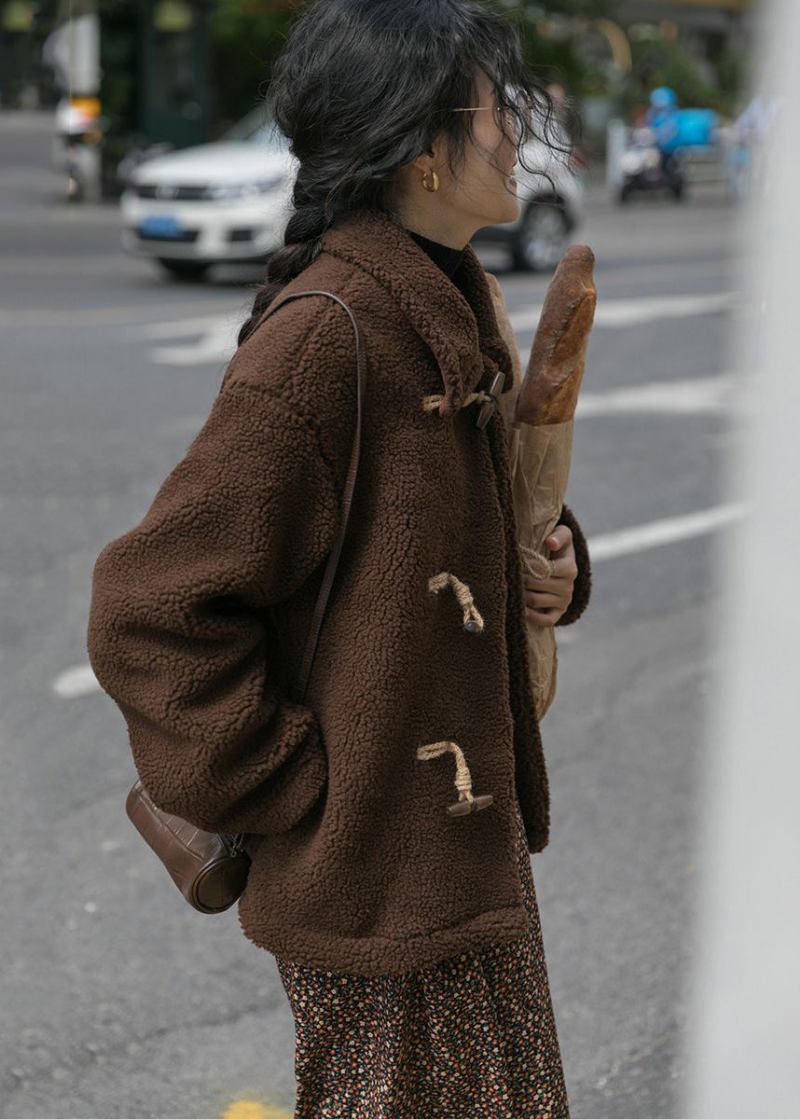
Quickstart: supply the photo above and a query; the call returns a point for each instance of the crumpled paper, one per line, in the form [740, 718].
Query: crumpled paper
[540, 454]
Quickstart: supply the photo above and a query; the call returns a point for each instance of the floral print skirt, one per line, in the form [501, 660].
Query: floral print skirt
[470, 1037]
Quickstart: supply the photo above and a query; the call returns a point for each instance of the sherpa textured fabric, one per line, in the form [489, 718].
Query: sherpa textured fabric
[471, 1037]
[200, 613]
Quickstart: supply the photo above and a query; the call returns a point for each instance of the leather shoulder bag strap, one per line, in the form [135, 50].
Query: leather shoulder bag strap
[347, 499]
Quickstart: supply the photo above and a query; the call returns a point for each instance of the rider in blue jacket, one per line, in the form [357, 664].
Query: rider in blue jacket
[663, 118]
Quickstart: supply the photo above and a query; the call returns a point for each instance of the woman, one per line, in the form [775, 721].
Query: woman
[406, 935]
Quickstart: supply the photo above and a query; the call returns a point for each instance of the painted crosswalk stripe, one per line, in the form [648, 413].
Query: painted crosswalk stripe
[686, 396]
[658, 533]
[618, 313]
[213, 338]
[76, 681]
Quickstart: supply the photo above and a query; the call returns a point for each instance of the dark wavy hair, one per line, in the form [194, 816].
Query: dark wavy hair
[361, 87]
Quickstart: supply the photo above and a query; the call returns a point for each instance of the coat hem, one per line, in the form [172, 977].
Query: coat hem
[377, 955]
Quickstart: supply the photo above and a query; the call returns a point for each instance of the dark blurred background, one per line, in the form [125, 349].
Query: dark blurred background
[181, 72]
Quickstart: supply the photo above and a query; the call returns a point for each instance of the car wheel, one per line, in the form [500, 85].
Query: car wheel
[541, 239]
[184, 269]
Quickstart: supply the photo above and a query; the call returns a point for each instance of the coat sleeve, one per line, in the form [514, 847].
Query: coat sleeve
[583, 583]
[174, 636]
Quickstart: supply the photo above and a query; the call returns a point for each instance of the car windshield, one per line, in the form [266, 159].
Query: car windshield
[257, 128]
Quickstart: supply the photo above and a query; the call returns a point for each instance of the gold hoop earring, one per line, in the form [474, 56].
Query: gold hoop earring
[435, 181]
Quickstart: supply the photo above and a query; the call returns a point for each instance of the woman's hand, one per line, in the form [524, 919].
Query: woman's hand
[547, 599]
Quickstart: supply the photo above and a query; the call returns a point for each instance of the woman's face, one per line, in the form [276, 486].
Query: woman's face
[482, 193]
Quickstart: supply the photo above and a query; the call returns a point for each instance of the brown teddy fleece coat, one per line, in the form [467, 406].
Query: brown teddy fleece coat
[199, 615]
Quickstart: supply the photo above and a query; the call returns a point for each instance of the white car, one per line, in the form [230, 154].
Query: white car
[551, 208]
[229, 202]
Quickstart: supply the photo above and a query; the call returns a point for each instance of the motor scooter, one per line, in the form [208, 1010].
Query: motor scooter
[76, 147]
[646, 168]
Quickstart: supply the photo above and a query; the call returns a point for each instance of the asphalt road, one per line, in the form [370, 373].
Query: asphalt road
[117, 998]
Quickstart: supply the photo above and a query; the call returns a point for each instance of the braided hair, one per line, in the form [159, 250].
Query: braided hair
[361, 87]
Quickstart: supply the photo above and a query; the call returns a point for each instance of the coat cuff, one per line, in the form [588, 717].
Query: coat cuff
[583, 583]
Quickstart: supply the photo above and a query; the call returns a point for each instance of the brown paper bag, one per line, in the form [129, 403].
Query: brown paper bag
[540, 452]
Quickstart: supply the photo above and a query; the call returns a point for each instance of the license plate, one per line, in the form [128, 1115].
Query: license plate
[161, 225]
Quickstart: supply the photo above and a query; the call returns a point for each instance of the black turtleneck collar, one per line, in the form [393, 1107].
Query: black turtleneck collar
[446, 257]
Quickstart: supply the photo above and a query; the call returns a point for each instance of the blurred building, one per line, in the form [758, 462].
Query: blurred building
[729, 21]
[705, 49]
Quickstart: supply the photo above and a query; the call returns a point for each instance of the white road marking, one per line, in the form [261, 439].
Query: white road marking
[182, 426]
[184, 328]
[80, 680]
[214, 336]
[216, 346]
[657, 533]
[80, 318]
[631, 312]
[610, 312]
[616, 313]
[703, 394]
[214, 339]
[75, 681]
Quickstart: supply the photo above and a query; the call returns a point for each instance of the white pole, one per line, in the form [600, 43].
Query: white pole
[616, 138]
[73, 50]
[743, 1036]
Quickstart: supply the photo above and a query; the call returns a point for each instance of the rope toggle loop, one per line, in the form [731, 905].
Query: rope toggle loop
[489, 400]
[466, 803]
[431, 403]
[473, 622]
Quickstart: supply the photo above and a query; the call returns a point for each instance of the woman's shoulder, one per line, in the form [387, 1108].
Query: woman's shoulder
[301, 360]
[304, 343]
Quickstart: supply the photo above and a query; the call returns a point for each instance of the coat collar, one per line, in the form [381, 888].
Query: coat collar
[460, 327]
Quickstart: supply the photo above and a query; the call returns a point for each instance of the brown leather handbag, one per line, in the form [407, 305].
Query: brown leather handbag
[211, 869]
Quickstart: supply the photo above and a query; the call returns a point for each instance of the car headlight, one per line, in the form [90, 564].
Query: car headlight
[243, 190]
